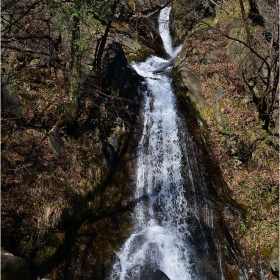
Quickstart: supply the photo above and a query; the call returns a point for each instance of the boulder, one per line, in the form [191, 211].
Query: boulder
[166, 68]
[274, 259]
[265, 13]
[111, 157]
[159, 275]
[56, 141]
[13, 268]
[10, 100]
[133, 49]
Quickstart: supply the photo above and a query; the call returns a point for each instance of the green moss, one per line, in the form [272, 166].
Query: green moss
[254, 29]
[44, 254]
[141, 54]
[272, 196]
[208, 112]
[55, 239]
[265, 251]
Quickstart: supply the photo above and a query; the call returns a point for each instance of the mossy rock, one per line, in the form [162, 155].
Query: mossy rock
[231, 273]
[274, 258]
[13, 268]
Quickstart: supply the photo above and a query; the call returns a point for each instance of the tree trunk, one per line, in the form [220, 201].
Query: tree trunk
[101, 46]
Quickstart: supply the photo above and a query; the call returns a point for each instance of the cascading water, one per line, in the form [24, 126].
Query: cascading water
[168, 188]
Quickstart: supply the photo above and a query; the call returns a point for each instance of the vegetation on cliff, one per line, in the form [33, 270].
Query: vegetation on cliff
[66, 85]
[241, 113]
[68, 141]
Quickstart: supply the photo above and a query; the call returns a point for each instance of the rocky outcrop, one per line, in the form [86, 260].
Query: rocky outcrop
[10, 100]
[56, 141]
[265, 13]
[135, 51]
[111, 157]
[238, 142]
[274, 258]
[186, 83]
[13, 268]
[116, 75]
[143, 28]
[182, 19]
[159, 275]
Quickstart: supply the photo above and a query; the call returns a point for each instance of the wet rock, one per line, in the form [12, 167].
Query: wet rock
[159, 275]
[134, 50]
[117, 76]
[56, 141]
[264, 13]
[186, 83]
[13, 268]
[166, 68]
[111, 157]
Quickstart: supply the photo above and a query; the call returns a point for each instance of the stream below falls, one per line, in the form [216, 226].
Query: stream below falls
[173, 217]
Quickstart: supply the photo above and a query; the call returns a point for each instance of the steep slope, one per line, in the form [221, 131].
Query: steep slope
[215, 73]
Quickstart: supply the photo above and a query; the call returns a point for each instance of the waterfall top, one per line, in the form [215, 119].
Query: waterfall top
[165, 32]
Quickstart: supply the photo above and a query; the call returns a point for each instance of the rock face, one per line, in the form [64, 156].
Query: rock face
[219, 73]
[186, 82]
[120, 83]
[10, 100]
[263, 12]
[116, 74]
[134, 50]
[13, 268]
[111, 157]
[143, 20]
[56, 141]
[182, 20]
[216, 96]
[159, 275]
[274, 258]
[274, 262]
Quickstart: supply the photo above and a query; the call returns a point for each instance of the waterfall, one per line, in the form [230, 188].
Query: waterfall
[168, 187]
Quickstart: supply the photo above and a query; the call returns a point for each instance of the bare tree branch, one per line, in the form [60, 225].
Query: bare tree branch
[24, 50]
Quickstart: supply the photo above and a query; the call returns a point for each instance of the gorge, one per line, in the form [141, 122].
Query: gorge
[115, 168]
[169, 189]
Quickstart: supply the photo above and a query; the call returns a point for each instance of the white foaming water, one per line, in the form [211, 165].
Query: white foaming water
[161, 234]
[159, 238]
[165, 32]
